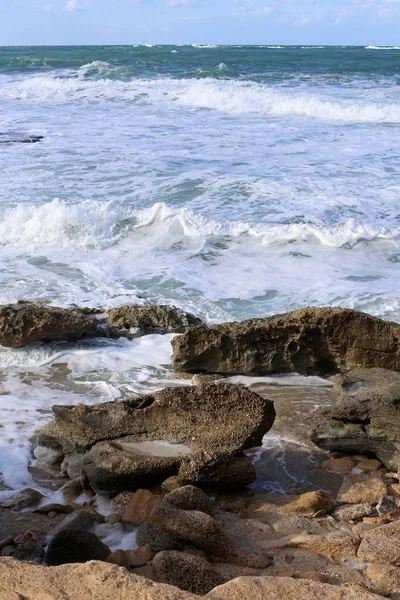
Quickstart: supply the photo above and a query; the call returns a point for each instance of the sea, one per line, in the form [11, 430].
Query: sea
[230, 181]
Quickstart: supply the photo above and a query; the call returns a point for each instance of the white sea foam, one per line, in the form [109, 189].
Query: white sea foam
[382, 47]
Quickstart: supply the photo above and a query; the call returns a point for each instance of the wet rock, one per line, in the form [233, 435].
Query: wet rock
[113, 519]
[353, 512]
[75, 546]
[364, 418]
[23, 499]
[186, 572]
[32, 551]
[361, 488]
[72, 465]
[71, 490]
[140, 506]
[186, 515]
[387, 505]
[309, 341]
[201, 378]
[310, 503]
[13, 524]
[131, 559]
[369, 465]
[381, 545]
[15, 139]
[49, 460]
[173, 483]
[81, 520]
[120, 502]
[213, 424]
[151, 319]
[56, 508]
[339, 465]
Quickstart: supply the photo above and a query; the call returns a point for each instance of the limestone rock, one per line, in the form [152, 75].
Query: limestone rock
[74, 546]
[140, 506]
[186, 572]
[309, 341]
[382, 545]
[362, 488]
[364, 418]
[151, 319]
[353, 512]
[310, 503]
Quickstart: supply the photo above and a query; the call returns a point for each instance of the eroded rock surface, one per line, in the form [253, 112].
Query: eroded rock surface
[198, 433]
[310, 341]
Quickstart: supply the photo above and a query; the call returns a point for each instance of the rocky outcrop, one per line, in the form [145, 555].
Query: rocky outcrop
[26, 322]
[310, 341]
[103, 581]
[197, 433]
[365, 417]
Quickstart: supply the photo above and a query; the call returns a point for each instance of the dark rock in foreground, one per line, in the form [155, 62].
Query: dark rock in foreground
[25, 322]
[198, 433]
[75, 546]
[309, 341]
[365, 419]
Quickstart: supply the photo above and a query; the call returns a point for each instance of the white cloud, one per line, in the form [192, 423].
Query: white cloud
[179, 3]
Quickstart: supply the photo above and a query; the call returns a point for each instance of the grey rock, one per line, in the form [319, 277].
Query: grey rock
[75, 546]
[23, 499]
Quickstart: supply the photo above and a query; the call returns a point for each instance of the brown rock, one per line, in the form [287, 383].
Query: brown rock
[140, 506]
[362, 488]
[186, 572]
[336, 545]
[353, 512]
[385, 578]
[310, 341]
[339, 465]
[23, 499]
[201, 378]
[173, 483]
[151, 319]
[310, 503]
[113, 519]
[131, 559]
[382, 545]
[120, 502]
[369, 465]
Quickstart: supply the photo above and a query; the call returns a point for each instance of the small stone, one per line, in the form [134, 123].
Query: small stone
[146, 571]
[120, 502]
[387, 505]
[71, 490]
[23, 499]
[173, 483]
[377, 520]
[52, 514]
[140, 506]
[180, 375]
[113, 519]
[362, 488]
[369, 465]
[392, 476]
[131, 559]
[31, 551]
[339, 465]
[54, 507]
[353, 512]
[309, 504]
[394, 490]
[206, 378]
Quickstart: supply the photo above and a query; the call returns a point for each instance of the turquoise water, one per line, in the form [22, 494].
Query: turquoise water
[233, 181]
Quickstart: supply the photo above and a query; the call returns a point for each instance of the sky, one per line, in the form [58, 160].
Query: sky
[62, 22]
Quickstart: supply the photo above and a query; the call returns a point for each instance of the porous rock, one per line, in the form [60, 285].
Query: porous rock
[310, 503]
[151, 319]
[309, 341]
[359, 488]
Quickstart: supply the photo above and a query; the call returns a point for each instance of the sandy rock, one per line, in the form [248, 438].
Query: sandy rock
[339, 465]
[353, 512]
[151, 319]
[173, 483]
[212, 423]
[336, 545]
[362, 488]
[362, 528]
[131, 559]
[74, 546]
[310, 341]
[140, 506]
[310, 503]
[385, 578]
[382, 545]
[201, 378]
[369, 465]
[23, 499]
[103, 581]
[186, 572]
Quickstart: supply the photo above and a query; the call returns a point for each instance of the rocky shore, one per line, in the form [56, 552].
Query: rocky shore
[215, 488]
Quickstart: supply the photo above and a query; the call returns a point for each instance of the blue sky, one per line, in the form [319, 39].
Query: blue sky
[25, 22]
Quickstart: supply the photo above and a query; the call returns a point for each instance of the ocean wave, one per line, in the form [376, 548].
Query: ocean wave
[382, 47]
[100, 225]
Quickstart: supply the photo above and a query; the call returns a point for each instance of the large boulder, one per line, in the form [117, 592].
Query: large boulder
[310, 341]
[26, 322]
[364, 418]
[187, 572]
[75, 546]
[198, 433]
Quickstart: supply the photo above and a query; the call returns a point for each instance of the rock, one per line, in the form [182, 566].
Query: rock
[362, 528]
[310, 503]
[387, 505]
[113, 519]
[369, 465]
[201, 378]
[23, 499]
[173, 483]
[71, 490]
[140, 506]
[72, 465]
[22, 324]
[339, 465]
[56, 508]
[13, 524]
[364, 418]
[75, 546]
[131, 559]
[385, 578]
[10, 139]
[80, 520]
[151, 319]
[120, 502]
[213, 425]
[186, 572]
[186, 515]
[336, 545]
[49, 460]
[32, 551]
[362, 488]
[381, 545]
[159, 540]
[353, 512]
[309, 341]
